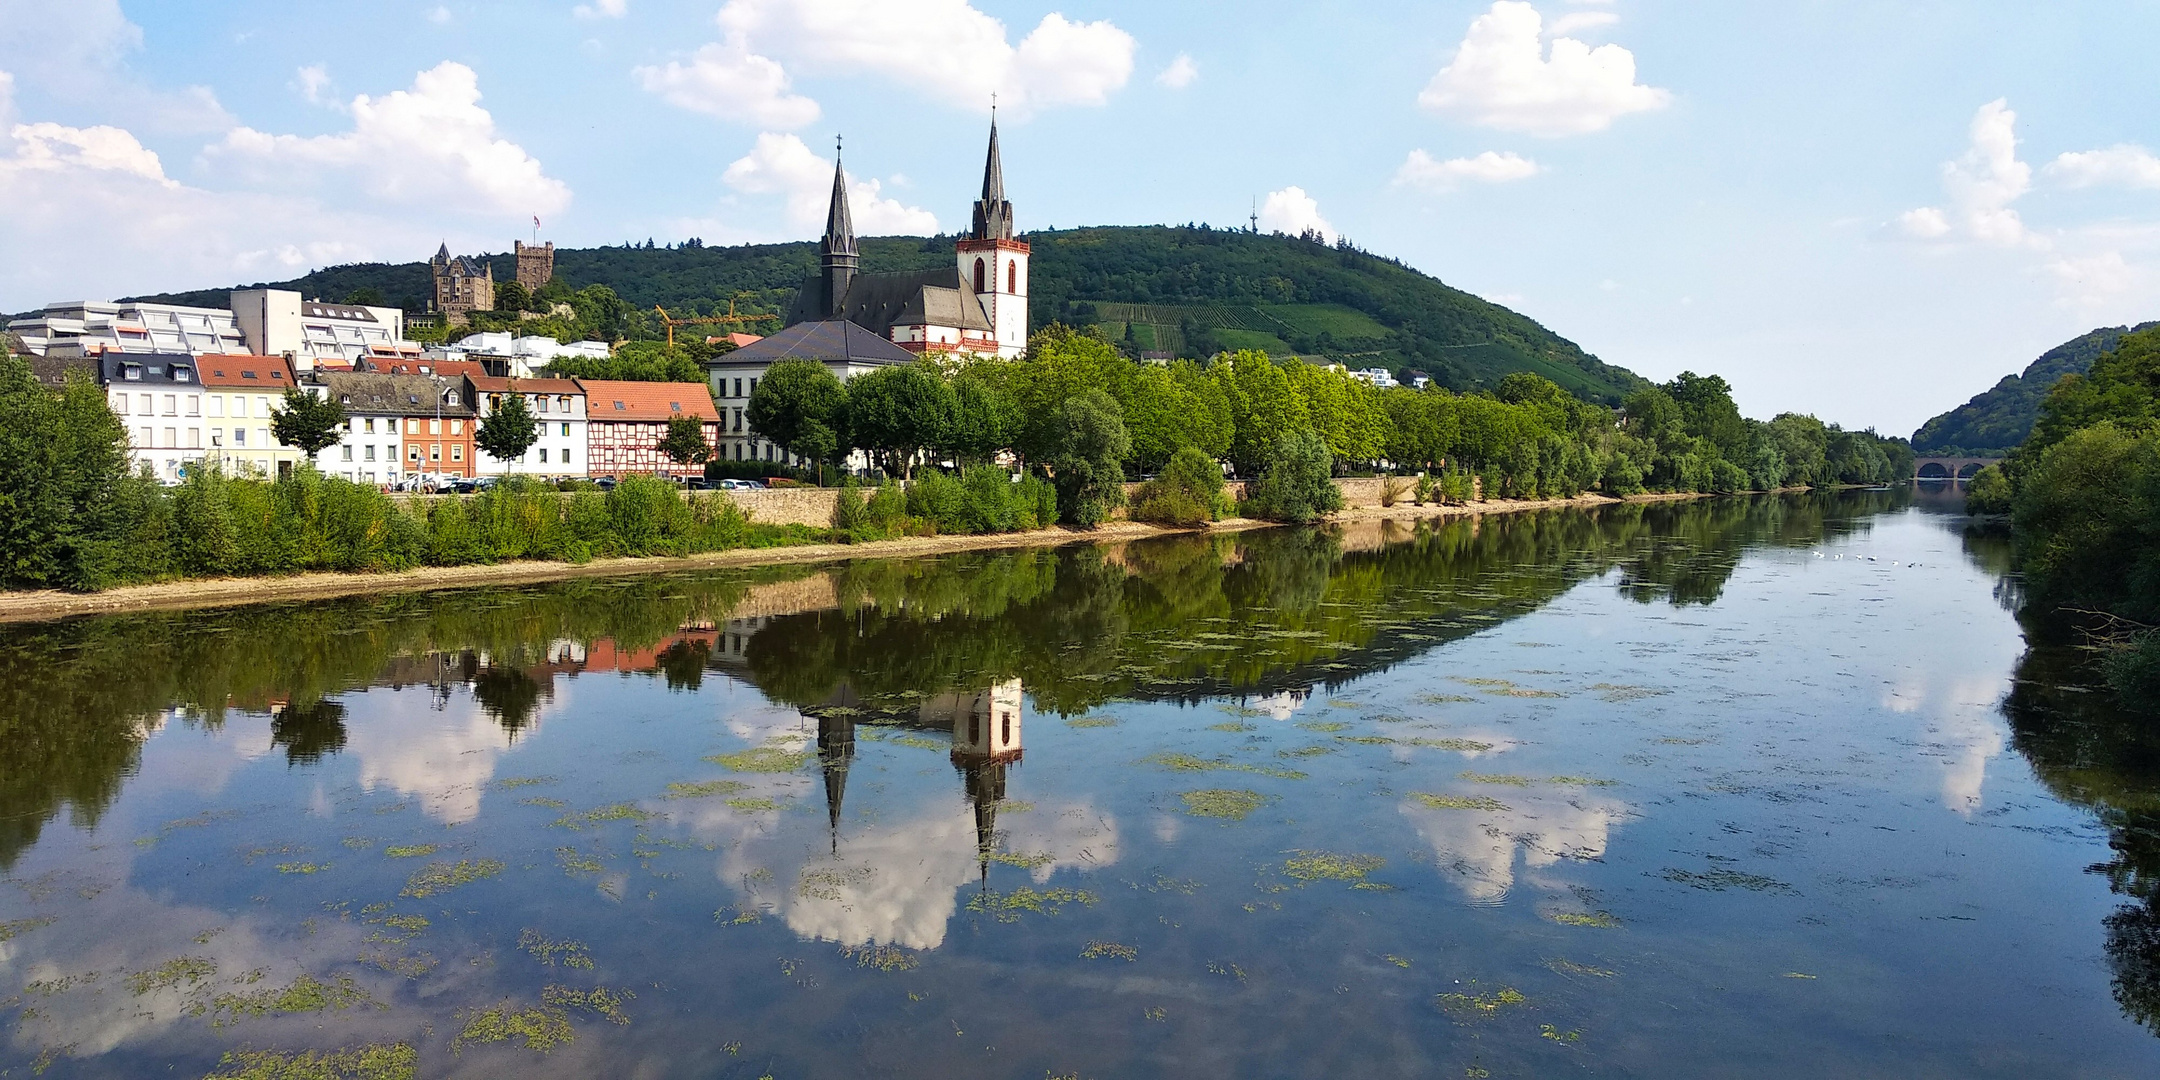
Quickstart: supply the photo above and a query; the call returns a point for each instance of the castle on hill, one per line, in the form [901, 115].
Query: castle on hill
[976, 307]
[465, 284]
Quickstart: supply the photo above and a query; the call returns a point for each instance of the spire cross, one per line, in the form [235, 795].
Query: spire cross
[836, 148]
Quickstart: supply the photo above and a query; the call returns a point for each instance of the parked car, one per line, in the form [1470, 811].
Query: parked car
[604, 483]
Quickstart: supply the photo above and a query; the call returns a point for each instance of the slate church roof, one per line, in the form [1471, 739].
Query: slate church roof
[830, 341]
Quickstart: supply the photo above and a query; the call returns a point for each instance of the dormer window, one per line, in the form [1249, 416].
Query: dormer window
[344, 399]
[180, 374]
[450, 397]
[133, 373]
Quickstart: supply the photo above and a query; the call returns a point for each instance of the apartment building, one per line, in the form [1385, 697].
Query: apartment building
[279, 322]
[87, 327]
[159, 397]
[241, 395]
[558, 409]
[397, 425]
[625, 421]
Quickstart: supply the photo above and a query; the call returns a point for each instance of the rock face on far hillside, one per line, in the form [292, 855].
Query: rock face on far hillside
[1999, 418]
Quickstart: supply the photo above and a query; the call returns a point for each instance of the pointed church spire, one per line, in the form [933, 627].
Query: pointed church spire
[836, 751]
[837, 256]
[993, 214]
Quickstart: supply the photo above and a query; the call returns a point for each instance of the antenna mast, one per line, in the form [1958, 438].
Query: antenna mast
[1255, 219]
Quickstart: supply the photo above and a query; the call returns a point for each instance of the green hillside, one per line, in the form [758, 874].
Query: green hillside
[1999, 418]
[1184, 290]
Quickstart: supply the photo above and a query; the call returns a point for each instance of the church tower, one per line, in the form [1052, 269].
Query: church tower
[837, 258]
[993, 264]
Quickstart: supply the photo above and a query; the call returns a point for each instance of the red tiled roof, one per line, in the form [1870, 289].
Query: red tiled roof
[609, 400]
[244, 372]
[489, 384]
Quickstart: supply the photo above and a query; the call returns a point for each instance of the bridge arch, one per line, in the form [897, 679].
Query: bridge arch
[1946, 467]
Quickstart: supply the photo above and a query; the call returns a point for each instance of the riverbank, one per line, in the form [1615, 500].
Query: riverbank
[230, 592]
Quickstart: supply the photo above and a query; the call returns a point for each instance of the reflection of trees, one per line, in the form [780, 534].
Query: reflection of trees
[309, 732]
[1685, 553]
[508, 695]
[2090, 753]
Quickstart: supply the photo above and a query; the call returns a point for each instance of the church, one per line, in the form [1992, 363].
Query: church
[978, 307]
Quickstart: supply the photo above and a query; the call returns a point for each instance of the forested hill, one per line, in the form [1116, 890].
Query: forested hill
[1998, 419]
[1185, 290]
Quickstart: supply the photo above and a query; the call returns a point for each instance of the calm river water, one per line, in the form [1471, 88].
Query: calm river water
[1762, 787]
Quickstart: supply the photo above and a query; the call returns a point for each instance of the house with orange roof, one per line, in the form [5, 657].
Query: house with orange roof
[625, 421]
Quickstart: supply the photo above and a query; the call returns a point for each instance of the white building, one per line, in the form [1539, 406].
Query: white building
[845, 348]
[276, 322]
[1380, 378]
[159, 396]
[86, 328]
[558, 409]
[518, 357]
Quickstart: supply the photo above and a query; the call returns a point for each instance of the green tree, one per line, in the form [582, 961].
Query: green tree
[512, 296]
[71, 514]
[1087, 467]
[1298, 485]
[1264, 404]
[1188, 493]
[895, 413]
[308, 422]
[684, 443]
[509, 429]
[801, 405]
[986, 419]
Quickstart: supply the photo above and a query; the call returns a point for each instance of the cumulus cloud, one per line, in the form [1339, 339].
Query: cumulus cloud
[1504, 76]
[1294, 212]
[781, 165]
[1477, 851]
[79, 52]
[1980, 186]
[945, 48]
[314, 83]
[727, 80]
[1421, 170]
[602, 9]
[431, 145]
[1181, 73]
[52, 148]
[2117, 166]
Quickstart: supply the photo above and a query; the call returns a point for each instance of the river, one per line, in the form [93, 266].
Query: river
[1761, 787]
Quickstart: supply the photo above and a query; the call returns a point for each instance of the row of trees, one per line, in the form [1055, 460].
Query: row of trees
[2083, 496]
[1530, 438]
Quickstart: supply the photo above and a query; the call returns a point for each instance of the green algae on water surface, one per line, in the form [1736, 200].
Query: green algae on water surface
[762, 759]
[1482, 1004]
[1507, 779]
[305, 994]
[171, 973]
[1008, 907]
[409, 851]
[1308, 751]
[1091, 722]
[703, 789]
[8, 930]
[542, 1029]
[1460, 746]
[1310, 866]
[542, 800]
[612, 812]
[389, 1061]
[1603, 920]
[1460, 802]
[1231, 804]
[511, 783]
[1097, 950]
[886, 958]
[574, 861]
[569, 954]
[1025, 860]
[302, 867]
[1233, 726]
[1178, 762]
[1719, 880]
[752, 804]
[1324, 727]
[1569, 967]
[443, 876]
[599, 1001]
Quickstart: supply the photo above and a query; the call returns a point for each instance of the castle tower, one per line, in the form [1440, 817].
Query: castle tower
[535, 265]
[837, 258]
[992, 263]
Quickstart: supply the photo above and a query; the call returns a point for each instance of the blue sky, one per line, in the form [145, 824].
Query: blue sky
[1868, 211]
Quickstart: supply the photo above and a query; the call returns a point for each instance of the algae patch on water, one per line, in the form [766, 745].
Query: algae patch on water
[1720, 880]
[302, 867]
[409, 851]
[1231, 804]
[1233, 726]
[444, 876]
[1460, 802]
[1311, 866]
[1178, 762]
[542, 1029]
[305, 994]
[1325, 727]
[569, 954]
[1008, 907]
[1091, 722]
[1603, 920]
[8, 930]
[599, 1001]
[762, 759]
[390, 1061]
[172, 973]
[1098, 950]
[704, 789]
[1482, 1004]
[886, 958]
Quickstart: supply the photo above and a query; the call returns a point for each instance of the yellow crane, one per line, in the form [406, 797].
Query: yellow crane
[729, 319]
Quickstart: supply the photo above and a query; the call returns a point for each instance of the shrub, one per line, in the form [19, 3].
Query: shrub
[939, 499]
[1091, 445]
[1989, 492]
[1297, 486]
[1187, 494]
[1039, 498]
[645, 516]
[848, 512]
[1393, 488]
[1426, 487]
[886, 512]
[452, 539]
[993, 503]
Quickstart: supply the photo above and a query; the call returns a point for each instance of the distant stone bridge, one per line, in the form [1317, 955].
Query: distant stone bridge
[1950, 468]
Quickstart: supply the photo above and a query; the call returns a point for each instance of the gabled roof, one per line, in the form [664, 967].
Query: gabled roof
[830, 341]
[607, 399]
[242, 372]
[879, 302]
[153, 369]
[491, 384]
[397, 395]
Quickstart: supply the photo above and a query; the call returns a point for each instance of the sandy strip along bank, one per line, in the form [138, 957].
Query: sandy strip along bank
[228, 592]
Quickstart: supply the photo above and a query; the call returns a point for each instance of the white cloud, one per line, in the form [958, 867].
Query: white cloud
[432, 145]
[1581, 20]
[51, 148]
[1981, 186]
[438, 15]
[314, 84]
[729, 81]
[1503, 77]
[78, 52]
[602, 9]
[1423, 171]
[1181, 73]
[2117, 166]
[1294, 212]
[2093, 282]
[781, 165]
[945, 48]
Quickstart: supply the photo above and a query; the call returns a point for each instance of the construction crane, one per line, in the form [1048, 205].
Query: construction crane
[730, 319]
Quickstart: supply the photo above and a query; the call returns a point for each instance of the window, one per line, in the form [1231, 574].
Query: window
[180, 374]
[618, 406]
[434, 427]
[370, 425]
[239, 436]
[1012, 277]
[674, 406]
[738, 421]
[412, 427]
[194, 404]
[194, 438]
[143, 439]
[457, 427]
[753, 386]
[247, 374]
[543, 455]
[450, 397]
[435, 452]
[172, 405]
[172, 437]
[131, 372]
[457, 451]
[414, 453]
[540, 402]
[566, 431]
[143, 406]
[120, 404]
[980, 280]
[1005, 731]
[974, 729]
[367, 453]
[738, 388]
[348, 453]
[217, 404]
